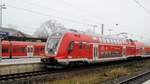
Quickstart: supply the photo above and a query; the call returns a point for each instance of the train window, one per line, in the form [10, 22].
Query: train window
[109, 53]
[80, 45]
[36, 49]
[28, 49]
[31, 49]
[123, 41]
[105, 41]
[42, 49]
[87, 46]
[116, 52]
[4, 50]
[102, 40]
[102, 53]
[23, 49]
[114, 41]
[71, 44]
[109, 40]
[14, 50]
[120, 42]
[117, 41]
[106, 53]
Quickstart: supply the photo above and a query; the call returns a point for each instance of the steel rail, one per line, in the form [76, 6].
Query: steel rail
[133, 79]
[54, 74]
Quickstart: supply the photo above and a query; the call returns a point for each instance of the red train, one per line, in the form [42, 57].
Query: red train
[63, 48]
[20, 49]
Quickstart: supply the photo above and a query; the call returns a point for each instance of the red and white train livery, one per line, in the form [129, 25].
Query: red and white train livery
[63, 48]
[21, 49]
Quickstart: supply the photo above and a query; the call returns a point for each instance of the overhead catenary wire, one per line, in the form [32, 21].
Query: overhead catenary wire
[77, 8]
[137, 2]
[45, 7]
[49, 15]
[25, 22]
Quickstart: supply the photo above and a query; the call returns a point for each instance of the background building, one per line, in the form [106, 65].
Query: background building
[14, 32]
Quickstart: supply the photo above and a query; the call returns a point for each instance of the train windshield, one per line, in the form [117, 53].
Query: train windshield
[52, 44]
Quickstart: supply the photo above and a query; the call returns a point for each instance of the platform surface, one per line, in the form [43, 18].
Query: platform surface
[20, 61]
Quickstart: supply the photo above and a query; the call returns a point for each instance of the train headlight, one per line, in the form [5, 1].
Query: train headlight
[46, 53]
[69, 57]
[55, 52]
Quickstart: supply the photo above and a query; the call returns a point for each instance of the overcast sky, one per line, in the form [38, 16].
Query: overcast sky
[28, 15]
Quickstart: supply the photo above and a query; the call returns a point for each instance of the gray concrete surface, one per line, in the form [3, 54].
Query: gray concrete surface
[11, 66]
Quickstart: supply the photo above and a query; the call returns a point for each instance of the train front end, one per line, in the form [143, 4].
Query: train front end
[52, 51]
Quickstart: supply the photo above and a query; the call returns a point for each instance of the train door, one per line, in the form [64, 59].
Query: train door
[30, 50]
[123, 51]
[95, 52]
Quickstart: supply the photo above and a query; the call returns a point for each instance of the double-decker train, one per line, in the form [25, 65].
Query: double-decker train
[64, 48]
[22, 49]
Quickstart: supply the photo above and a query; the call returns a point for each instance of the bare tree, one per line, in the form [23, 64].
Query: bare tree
[47, 28]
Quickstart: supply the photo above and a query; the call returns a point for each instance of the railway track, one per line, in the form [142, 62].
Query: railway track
[53, 74]
[137, 79]
[20, 75]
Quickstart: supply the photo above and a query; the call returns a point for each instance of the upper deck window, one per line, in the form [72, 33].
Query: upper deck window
[117, 41]
[104, 40]
[112, 41]
[107, 41]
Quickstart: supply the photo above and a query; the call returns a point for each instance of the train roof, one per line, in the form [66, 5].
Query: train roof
[61, 32]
